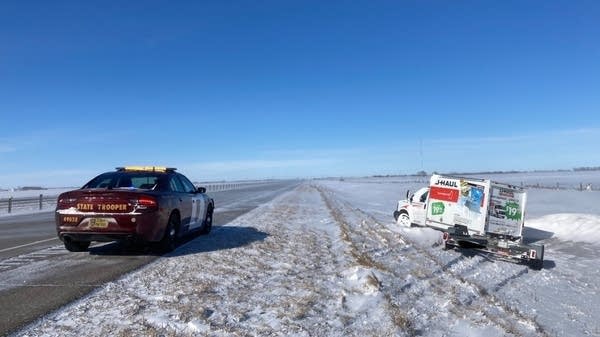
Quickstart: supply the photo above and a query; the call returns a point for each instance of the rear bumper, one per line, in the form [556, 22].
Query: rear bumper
[102, 237]
[146, 227]
[513, 250]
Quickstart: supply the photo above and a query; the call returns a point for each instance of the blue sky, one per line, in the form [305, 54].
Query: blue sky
[277, 89]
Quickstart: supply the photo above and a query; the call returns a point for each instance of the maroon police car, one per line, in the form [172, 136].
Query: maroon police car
[137, 203]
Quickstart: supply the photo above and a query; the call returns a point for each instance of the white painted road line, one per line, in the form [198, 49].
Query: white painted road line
[27, 244]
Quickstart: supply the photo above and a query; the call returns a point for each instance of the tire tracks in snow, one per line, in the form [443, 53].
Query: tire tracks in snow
[465, 298]
[295, 281]
[282, 281]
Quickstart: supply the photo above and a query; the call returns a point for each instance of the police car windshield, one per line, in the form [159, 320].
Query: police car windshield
[126, 180]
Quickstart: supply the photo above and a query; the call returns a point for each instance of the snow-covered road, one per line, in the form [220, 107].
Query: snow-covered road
[326, 259]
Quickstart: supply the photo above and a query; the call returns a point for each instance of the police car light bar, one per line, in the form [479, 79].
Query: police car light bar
[146, 168]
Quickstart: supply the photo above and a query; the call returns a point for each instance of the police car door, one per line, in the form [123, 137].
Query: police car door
[198, 203]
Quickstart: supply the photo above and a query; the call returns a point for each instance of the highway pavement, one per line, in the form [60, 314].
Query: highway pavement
[38, 276]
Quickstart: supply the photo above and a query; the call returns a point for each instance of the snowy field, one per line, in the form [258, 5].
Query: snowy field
[327, 259]
[34, 193]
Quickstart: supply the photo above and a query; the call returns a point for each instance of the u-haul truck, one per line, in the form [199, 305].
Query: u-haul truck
[473, 213]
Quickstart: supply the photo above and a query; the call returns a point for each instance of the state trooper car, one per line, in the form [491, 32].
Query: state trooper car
[146, 204]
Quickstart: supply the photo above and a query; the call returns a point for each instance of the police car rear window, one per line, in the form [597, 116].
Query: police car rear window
[133, 180]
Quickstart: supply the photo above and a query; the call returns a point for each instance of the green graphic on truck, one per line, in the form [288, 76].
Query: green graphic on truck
[437, 208]
[512, 211]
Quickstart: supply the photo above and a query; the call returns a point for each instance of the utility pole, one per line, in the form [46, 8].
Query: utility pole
[421, 152]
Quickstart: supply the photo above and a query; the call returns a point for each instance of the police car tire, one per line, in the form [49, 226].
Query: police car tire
[77, 246]
[207, 226]
[169, 241]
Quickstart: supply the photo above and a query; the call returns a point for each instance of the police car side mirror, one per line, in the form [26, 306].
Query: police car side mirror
[201, 190]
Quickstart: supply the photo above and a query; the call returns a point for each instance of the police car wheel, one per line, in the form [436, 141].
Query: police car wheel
[169, 240]
[77, 246]
[207, 226]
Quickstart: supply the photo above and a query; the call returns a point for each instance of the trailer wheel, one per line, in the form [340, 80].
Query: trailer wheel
[536, 264]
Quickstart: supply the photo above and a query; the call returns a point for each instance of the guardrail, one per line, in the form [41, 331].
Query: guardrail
[10, 205]
[32, 203]
[218, 187]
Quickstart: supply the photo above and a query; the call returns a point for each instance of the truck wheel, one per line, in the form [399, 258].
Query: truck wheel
[404, 219]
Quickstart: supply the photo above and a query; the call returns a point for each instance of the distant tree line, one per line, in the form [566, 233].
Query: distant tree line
[453, 173]
[587, 168]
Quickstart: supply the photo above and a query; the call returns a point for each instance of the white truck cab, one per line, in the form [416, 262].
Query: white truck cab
[411, 211]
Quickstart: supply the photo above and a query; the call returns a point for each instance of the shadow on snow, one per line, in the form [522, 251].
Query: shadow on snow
[491, 258]
[220, 238]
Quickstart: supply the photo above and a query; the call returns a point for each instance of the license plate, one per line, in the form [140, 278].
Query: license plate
[98, 222]
[70, 220]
